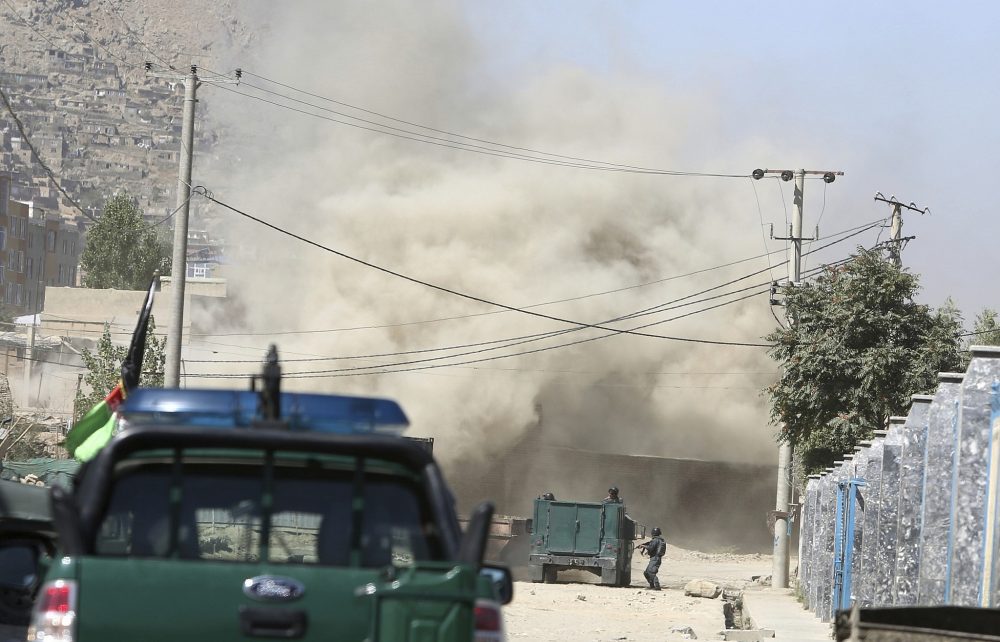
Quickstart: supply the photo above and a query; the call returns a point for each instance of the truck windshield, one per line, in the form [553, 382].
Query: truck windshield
[279, 509]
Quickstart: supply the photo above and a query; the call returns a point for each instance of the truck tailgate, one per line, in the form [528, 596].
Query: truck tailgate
[200, 600]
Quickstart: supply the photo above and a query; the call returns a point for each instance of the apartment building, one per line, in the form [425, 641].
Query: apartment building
[38, 248]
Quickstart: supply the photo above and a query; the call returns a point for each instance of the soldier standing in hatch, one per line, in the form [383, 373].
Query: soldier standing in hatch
[656, 548]
[613, 496]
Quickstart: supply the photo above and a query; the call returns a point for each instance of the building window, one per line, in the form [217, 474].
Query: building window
[31, 268]
[50, 241]
[197, 271]
[18, 294]
[60, 275]
[2, 276]
[3, 238]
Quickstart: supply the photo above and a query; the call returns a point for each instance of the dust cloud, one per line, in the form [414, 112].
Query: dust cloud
[511, 231]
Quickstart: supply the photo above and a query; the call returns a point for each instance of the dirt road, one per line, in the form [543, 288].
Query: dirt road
[577, 610]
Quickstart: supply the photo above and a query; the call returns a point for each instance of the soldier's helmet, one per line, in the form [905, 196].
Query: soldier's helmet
[549, 496]
[613, 490]
[656, 531]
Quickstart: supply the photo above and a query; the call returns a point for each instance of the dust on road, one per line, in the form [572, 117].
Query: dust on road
[576, 609]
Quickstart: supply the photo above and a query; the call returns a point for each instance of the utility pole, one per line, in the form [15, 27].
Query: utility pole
[178, 270]
[783, 493]
[896, 226]
[29, 356]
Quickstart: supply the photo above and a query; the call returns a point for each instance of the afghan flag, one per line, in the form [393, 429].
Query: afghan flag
[95, 429]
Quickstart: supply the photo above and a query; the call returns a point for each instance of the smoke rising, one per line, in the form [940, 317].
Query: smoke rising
[516, 232]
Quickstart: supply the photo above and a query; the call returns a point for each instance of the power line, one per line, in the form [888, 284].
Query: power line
[451, 291]
[508, 344]
[649, 374]
[533, 305]
[38, 157]
[28, 141]
[482, 314]
[475, 144]
[520, 339]
[341, 371]
[466, 147]
[97, 42]
[973, 334]
[373, 369]
[512, 341]
[527, 338]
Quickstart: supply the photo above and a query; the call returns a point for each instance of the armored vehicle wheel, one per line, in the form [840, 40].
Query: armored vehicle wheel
[549, 574]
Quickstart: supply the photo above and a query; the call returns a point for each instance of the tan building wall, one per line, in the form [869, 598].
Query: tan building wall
[82, 312]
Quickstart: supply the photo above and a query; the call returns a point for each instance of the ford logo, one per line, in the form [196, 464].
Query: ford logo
[271, 588]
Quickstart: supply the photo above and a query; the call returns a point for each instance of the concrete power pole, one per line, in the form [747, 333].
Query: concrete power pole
[783, 493]
[29, 358]
[896, 226]
[178, 271]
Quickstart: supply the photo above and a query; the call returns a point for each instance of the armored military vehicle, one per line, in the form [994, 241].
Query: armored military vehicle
[588, 536]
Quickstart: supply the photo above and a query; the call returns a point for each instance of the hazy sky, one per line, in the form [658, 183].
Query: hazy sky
[902, 96]
[901, 103]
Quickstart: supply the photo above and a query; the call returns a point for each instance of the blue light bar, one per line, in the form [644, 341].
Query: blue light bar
[240, 408]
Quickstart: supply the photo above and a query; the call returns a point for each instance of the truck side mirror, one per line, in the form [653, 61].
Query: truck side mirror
[66, 520]
[503, 583]
[473, 546]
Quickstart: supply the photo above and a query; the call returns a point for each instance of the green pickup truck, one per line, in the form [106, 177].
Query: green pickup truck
[234, 515]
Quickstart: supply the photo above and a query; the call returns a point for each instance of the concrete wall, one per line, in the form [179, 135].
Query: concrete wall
[931, 503]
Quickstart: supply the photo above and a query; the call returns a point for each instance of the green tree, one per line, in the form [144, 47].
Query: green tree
[104, 368]
[986, 329]
[121, 250]
[860, 347]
